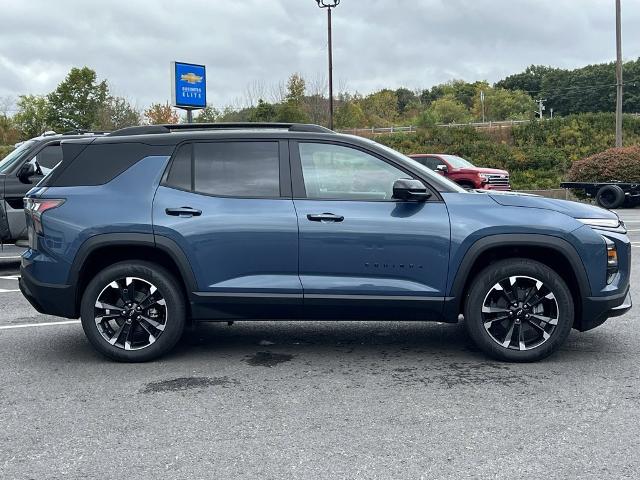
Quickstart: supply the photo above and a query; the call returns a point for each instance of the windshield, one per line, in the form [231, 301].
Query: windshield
[427, 172]
[457, 162]
[15, 156]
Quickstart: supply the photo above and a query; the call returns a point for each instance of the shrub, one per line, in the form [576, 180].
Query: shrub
[614, 164]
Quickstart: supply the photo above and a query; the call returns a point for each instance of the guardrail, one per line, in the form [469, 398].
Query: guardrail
[413, 128]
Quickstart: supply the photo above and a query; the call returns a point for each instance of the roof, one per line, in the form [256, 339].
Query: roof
[181, 127]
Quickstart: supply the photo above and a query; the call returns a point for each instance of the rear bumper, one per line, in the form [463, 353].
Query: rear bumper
[56, 300]
[596, 310]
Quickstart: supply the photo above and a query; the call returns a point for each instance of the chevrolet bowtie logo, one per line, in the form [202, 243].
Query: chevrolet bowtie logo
[191, 78]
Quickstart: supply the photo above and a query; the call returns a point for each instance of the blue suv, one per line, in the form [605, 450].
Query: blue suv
[148, 229]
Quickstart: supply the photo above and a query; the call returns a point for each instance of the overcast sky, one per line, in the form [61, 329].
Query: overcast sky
[377, 43]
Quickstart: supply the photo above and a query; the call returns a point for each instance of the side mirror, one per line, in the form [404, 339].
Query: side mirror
[409, 189]
[27, 171]
[442, 168]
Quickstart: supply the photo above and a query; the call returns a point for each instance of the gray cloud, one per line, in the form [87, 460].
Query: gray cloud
[377, 43]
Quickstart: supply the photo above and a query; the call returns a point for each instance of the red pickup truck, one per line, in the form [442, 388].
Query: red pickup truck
[464, 173]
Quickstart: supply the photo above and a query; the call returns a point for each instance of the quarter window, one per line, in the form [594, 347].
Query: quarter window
[337, 172]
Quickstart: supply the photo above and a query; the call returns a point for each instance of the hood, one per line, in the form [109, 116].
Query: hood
[493, 171]
[573, 209]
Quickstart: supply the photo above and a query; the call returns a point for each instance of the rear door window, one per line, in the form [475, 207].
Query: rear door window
[237, 169]
[48, 158]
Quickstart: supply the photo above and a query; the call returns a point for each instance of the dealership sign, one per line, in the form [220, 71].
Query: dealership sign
[188, 85]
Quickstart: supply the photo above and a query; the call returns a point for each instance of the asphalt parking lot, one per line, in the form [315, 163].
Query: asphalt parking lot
[316, 400]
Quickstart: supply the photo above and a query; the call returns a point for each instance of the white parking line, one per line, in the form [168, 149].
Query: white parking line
[4, 290]
[11, 277]
[44, 324]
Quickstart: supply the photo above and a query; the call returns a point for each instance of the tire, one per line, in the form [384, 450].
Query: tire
[141, 334]
[487, 302]
[610, 196]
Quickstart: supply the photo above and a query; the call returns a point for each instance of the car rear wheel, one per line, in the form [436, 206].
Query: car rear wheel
[133, 311]
[518, 310]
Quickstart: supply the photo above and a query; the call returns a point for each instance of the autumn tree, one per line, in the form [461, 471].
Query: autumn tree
[160, 114]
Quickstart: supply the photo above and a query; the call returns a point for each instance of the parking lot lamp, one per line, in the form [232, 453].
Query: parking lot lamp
[329, 4]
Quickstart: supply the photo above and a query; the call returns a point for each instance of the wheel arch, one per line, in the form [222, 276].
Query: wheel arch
[103, 250]
[554, 252]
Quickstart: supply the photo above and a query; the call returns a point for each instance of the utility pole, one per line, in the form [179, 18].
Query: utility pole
[541, 107]
[618, 75]
[329, 4]
[551, 111]
[482, 102]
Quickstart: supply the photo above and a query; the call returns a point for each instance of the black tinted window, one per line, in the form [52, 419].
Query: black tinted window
[180, 173]
[240, 169]
[430, 162]
[100, 163]
[49, 157]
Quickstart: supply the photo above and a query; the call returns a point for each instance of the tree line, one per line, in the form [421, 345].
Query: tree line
[83, 102]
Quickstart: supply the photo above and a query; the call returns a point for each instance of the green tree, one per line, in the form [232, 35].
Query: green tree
[501, 104]
[406, 98]
[381, 108]
[448, 109]
[116, 113]
[264, 112]
[160, 114]
[208, 114]
[77, 100]
[32, 116]
[292, 109]
[349, 114]
[529, 81]
[295, 88]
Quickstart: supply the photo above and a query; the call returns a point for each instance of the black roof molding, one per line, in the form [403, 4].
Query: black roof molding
[153, 129]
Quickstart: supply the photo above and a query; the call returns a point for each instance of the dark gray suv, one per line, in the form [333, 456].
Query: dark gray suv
[23, 168]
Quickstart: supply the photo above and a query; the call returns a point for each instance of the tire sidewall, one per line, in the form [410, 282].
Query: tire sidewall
[505, 269]
[168, 288]
[614, 190]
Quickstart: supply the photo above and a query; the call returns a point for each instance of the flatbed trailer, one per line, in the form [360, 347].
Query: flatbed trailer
[609, 194]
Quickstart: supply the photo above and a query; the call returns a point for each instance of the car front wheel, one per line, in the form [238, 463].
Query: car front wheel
[518, 310]
[133, 311]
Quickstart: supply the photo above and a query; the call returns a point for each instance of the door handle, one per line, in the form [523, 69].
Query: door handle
[325, 217]
[183, 212]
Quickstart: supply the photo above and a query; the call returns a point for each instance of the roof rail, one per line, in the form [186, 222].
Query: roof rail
[81, 131]
[152, 129]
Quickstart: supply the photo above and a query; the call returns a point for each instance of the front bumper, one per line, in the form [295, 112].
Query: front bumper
[499, 188]
[596, 310]
[56, 300]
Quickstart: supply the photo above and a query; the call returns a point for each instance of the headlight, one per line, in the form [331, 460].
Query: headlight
[484, 176]
[612, 259]
[600, 222]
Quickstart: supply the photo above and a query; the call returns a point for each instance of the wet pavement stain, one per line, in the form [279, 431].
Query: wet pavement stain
[268, 359]
[186, 383]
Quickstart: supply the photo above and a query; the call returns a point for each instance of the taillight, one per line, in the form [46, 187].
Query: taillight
[35, 207]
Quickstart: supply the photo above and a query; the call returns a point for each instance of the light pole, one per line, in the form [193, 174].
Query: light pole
[618, 76]
[329, 4]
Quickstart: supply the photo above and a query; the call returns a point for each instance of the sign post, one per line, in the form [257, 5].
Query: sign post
[188, 87]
